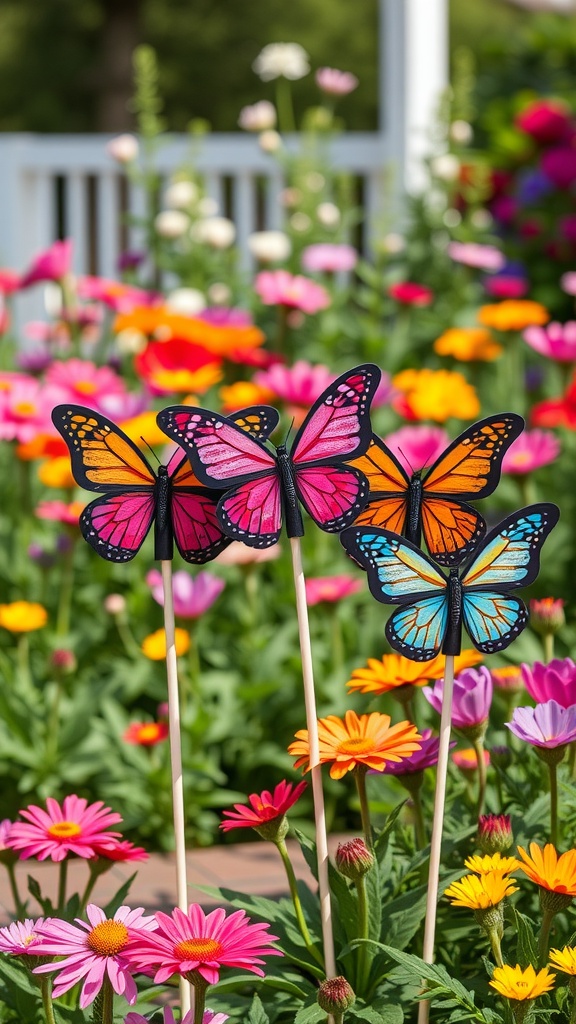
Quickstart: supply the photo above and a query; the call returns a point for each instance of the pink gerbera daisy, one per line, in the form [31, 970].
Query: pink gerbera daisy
[75, 827]
[264, 807]
[209, 1017]
[199, 943]
[79, 380]
[94, 951]
[21, 937]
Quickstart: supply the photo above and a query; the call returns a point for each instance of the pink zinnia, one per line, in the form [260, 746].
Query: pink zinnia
[331, 588]
[73, 828]
[280, 288]
[209, 1017]
[568, 282]
[81, 381]
[93, 951]
[554, 681]
[123, 851]
[473, 254]
[60, 511]
[530, 451]
[300, 384]
[25, 406]
[334, 82]
[202, 943]
[51, 265]
[546, 120]
[506, 286]
[21, 937]
[193, 595]
[408, 293]
[555, 341]
[329, 258]
[264, 807]
[417, 447]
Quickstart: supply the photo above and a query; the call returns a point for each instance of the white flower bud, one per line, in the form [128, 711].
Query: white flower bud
[269, 246]
[217, 232]
[124, 148]
[187, 301]
[171, 223]
[180, 195]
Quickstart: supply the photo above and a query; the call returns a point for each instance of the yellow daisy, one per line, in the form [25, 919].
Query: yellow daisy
[564, 959]
[481, 865]
[477, 892]
[518, 984]
[154, 645]
[23, 616]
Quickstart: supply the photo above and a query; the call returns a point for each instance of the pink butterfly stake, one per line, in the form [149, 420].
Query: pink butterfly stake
[266, 487]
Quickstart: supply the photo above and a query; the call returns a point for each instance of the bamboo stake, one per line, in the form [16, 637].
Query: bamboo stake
[437, 826]
[315, 770]
[176, 759]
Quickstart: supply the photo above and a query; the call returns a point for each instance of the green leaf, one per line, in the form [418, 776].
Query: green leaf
[382, 1013]
[119, 897]
[310, 1014]
[526, 946]
[257, 1014]
[383, 838]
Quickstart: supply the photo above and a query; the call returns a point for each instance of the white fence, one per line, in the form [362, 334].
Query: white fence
[66, 185]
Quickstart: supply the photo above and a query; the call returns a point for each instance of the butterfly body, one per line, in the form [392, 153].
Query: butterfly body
[433, 607]
[434, 502]
[265, 487]
[163, 528]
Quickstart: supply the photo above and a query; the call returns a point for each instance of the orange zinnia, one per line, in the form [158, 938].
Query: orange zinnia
[513, 314]
[242, 394]
[157, 322]
[548, 870]
[435, 395]
[394, 670]
[367, 740]
[468, 344]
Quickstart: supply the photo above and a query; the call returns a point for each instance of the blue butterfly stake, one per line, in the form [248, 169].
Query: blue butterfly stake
[432, 606]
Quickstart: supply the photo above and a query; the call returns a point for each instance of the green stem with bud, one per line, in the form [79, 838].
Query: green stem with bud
[360, 776]
[283, 851]
[363, 933]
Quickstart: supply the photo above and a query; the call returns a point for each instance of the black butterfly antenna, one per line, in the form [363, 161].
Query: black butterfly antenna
[407, 461]
[289, 431]
[150, 449]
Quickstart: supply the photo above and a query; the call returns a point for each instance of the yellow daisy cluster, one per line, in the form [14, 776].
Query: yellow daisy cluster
[489, 884]
[437, 395]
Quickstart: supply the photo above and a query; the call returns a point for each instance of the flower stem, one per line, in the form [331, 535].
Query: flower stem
[19, 907]
[495, 946]
[283, 851]
[548, 642]
[66, 592]
[46, 989]
[361, 980]
[284, 105]
[107, 1003]
[419, 826]
[572, 987]
[478, 745]
[62, 880]
[544, 938]
[552, 771]
[200, 986]
[360, 776]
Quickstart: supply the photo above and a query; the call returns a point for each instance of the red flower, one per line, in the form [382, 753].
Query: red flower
[556, 412]
[146, 734]
[545, 120]
[265, 806]
[411, 294]
[559, 164]
[177, 365]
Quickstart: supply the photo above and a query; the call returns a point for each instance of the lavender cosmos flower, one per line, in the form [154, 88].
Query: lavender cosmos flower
[426, 757]
[554, 681]
[193, 595]
[472, 697]
[547, 725]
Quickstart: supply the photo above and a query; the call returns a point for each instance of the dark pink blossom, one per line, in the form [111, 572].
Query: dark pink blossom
[472, 697]
[51, 265]
[554, 681]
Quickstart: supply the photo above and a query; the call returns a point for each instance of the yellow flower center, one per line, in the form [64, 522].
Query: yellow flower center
[24, 408]
[108, 938]
[85, 387]
[64, 830]
[147, 732]
[358, 745]
[30, 938]
[198, 949]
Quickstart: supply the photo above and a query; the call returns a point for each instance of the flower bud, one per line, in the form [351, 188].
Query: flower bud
[494, 833]
[547, 615]
[336, 995]
[63, 660]
[354, 859]
[115, 604]
[270, 141]
[508, 678]
[501, 757]
[124, 148]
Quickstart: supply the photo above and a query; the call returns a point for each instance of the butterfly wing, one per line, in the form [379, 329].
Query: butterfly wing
[388, 483]
[508, 558]
[418, 630]
[332, 495]
[257, 420]
[102, 456]
[469, 468]
[197, 532]
[116, 524]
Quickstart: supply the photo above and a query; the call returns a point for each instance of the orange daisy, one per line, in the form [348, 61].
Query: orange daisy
[513, 314]
[242, 394]
[394, 670]
[468, 344]
[435, 395]
[367, 740]
[548, 870]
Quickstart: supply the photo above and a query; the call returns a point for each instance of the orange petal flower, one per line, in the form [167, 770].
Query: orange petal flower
[154, 645]
[548, 870]
[468, 344]
[242, 394]
[367, 740]
[513, 314]
[394, 670]
[23, 616]
[436, 395]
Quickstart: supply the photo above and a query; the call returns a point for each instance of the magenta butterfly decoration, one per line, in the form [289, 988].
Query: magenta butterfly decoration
[264, 486]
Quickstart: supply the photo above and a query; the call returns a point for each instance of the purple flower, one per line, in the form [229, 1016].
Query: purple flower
[192, 595]
[426, 757]
[472, 697]
[554, 681]
[546, 725]
[533, 186]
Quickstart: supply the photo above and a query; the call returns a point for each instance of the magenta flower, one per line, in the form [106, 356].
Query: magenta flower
[280, 288]
[568, 282]
[547, 725]
[472, 697]
[506, 286]
[559, 164]
[193, 595]
[473, 254]
[22, 937]
[417, 447]
[530, 451]
[81, 381]
[300, 384]
[264, 807]
[202, 943]
[329, 258]
[121, 851]
[51, 265]
[408, 293]
[334, 82]
[545, 120]
[25, 407]
[209, 1017]
[426, 757]
[74, 828]
[331, 588]
[93, 951]
[9, 281]
[554, 681]
[555, 341]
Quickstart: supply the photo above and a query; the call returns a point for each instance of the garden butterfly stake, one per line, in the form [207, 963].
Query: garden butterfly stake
[133, 496]
[264, 489]
[433, 607]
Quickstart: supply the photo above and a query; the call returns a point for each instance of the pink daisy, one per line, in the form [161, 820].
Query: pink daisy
[201, 943]
[24, 408]
[79, 380]
[417, 447]
[120, 851]
[21, 937]
[193, 595]
[209, 1017]
[264, 807]
[331, 588]
[93, 951]
[555, 341]
[75, 827]
[329, 257]
[530, 451]
[50, 265]
[300, 384]
[280, 288]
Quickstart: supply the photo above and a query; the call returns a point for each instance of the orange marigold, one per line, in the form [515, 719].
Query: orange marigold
[548, 870]
[513, 314]
[468, 344]
[394, 670]
[437, 395]
[367, 740]
[242, 394]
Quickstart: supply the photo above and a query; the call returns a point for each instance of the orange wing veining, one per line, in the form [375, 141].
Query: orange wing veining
[466, 468]
[387, 513]
[381, 470]
[107, 457]
[449, 527]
